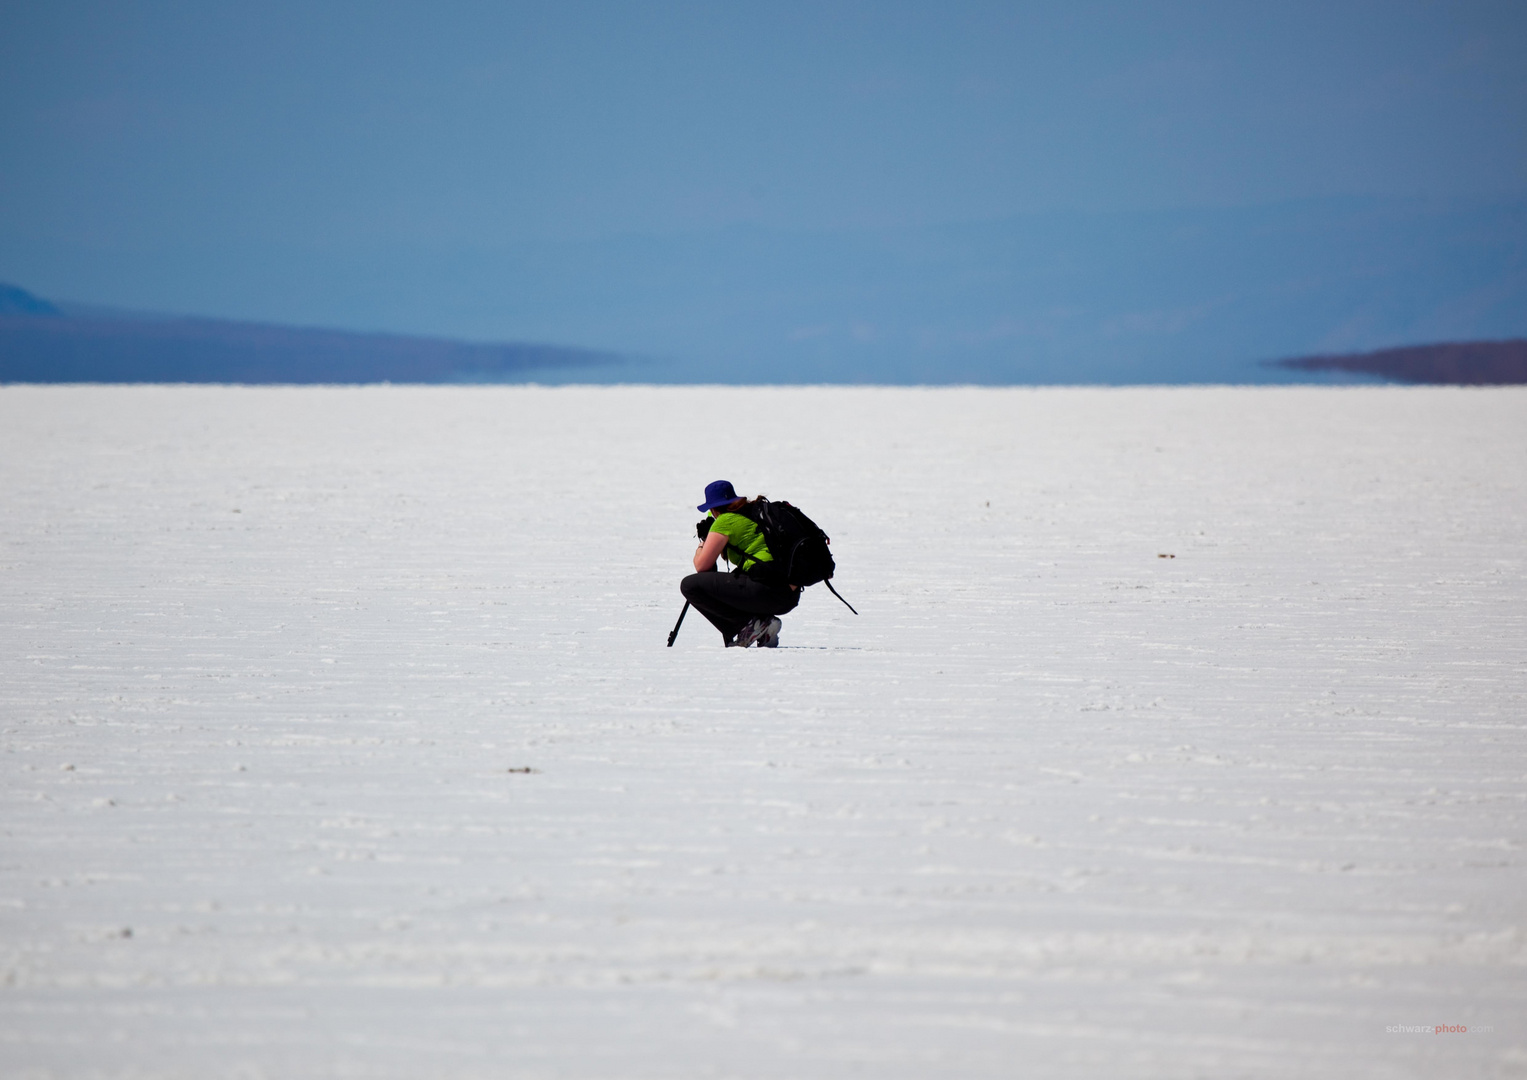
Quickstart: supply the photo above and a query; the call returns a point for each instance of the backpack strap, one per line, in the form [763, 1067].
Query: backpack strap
[733, 547]
[757, 562]
[773, 565]
[828, 583]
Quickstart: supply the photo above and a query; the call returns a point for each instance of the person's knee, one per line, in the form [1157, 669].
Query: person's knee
[690, 586]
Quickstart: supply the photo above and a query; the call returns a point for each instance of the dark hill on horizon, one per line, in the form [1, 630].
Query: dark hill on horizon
[1163, 297]
[44, 342]
[1459, 363]
[41, 342]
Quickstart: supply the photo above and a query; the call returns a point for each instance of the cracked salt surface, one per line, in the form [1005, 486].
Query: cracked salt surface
[340, 738]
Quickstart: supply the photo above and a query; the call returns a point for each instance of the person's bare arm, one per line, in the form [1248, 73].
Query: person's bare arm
[707, 553]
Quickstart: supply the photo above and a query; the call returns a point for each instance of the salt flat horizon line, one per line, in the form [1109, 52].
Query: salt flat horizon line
[1316, 384]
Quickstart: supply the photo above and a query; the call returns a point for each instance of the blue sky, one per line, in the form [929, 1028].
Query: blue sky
[413, 167]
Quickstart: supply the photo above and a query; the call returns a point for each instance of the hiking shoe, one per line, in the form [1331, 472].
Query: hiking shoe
[751, 633]
[769, 639]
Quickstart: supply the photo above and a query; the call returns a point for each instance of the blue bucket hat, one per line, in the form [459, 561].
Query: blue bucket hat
[717, 493]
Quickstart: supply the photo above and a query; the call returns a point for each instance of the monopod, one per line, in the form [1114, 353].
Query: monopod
[675, 631]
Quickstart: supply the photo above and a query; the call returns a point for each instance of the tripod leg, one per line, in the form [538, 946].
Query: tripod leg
[678, 624]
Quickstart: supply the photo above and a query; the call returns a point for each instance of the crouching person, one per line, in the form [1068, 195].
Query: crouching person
[741, 604]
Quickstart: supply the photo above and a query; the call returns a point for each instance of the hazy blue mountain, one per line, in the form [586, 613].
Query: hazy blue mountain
[1465, 363]
[17, 301]
[39, 342]
[1169, 297]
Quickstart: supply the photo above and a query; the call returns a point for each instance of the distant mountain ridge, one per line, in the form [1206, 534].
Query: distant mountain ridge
[1465, 363]
[43, 343]
[17, 301]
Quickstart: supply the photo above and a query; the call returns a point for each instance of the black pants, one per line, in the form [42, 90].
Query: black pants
[731, 601]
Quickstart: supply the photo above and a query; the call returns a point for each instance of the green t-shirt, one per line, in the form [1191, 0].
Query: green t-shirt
[741, 533]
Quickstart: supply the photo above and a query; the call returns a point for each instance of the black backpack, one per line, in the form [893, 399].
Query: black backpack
[799, 547]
